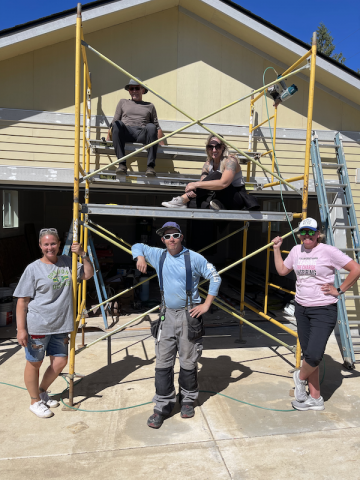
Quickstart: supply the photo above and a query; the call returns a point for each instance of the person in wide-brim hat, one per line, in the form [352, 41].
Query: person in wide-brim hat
[135, 121]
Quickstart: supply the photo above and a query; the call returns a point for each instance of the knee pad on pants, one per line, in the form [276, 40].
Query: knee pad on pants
[164, 381]
[188, 379]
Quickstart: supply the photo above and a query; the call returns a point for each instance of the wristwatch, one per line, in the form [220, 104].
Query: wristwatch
[340, 291]
[85, 255]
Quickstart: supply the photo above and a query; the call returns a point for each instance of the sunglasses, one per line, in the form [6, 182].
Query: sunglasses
[307, 232]
[134, 88]
[218, 146]
[51, 230]
[167, 236]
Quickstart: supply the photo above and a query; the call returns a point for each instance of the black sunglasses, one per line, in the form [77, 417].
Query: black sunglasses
[134, 88]
[217, 146]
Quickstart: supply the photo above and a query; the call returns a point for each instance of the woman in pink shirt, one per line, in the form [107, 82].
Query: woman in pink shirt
[316, 297]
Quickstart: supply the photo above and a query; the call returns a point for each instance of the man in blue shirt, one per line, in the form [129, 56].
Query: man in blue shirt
[173, 334]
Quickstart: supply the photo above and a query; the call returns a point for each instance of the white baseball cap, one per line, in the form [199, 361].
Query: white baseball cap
[309, 223]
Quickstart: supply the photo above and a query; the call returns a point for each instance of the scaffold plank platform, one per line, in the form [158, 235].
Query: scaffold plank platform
[185, 213]
[166, 151]
[161, 180]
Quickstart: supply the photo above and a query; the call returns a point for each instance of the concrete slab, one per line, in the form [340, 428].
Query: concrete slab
[225, 439]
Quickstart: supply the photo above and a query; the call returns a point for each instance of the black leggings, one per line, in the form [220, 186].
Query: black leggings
[315, 325]
[233, 198]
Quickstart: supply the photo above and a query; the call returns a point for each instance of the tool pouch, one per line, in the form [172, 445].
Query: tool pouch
[154, 327]
[195, 327]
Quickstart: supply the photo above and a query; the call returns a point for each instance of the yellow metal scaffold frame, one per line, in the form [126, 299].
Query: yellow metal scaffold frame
[81, 225]
[311, 53]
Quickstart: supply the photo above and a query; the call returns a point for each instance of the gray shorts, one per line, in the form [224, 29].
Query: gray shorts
[174, 339]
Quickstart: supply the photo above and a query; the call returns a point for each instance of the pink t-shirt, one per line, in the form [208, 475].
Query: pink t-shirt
[313, 268]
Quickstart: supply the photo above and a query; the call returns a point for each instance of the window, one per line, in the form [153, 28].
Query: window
[10, 209]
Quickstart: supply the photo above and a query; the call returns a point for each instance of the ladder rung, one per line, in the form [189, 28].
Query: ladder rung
[339, 205]
[352, 297]
[354, 322]
[332, 165]
[328, 145]
[336, 185]
[344, 227]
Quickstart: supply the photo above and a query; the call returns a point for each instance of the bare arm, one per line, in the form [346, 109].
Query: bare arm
[354, 269]
[21, 312]
[232, 166]
[160, 134]
[279, 263]
[88, 268]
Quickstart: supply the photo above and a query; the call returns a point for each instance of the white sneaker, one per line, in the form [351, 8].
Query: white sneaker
[41, 410]
[300, 387]
[309, 404]
[176, 202]
[48, 401]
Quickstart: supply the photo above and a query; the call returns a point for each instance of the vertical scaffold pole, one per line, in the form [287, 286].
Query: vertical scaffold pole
[76, 196]
[242, 286]
[266, 299]
[250, 146]
[309, 128]
[87, 185]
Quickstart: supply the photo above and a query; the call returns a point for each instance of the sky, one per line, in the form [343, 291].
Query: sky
[300, 19]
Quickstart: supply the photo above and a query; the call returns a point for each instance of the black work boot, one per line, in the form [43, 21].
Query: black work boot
[156, 420]
[121, 169]
[187, 411]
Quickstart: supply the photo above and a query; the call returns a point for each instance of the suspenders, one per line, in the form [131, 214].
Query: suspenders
[188, 280]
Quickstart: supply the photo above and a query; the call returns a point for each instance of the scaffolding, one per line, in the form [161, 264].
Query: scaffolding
[82, 224]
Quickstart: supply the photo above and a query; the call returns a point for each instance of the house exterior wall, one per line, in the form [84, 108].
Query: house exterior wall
[195, 66]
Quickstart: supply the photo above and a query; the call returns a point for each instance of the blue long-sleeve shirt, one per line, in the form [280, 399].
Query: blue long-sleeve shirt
[174, 273]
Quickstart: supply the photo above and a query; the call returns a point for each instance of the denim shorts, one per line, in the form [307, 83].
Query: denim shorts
[55, 345]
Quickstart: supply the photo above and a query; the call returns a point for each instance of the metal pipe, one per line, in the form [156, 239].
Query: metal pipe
[266, 153]
[298, 354]
[87, 192]
[76, 197]
[297, 63]
[272, 320]
[176, 108]
[215, 302]
[153, 276]
[243, 271]
[117, 330]
[292, 179]
[274, 143]
[267, 271]
[83, 52]
[275, 322]
[231, 313]
[262, 123]
[309, 128]
[282, 289]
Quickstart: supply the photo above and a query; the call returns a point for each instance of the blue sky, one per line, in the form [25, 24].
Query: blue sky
[299, 19]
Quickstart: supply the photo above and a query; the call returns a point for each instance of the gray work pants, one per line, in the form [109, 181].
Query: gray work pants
[173, 340]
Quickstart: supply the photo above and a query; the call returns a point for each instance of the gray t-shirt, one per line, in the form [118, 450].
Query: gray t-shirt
[49, 286]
